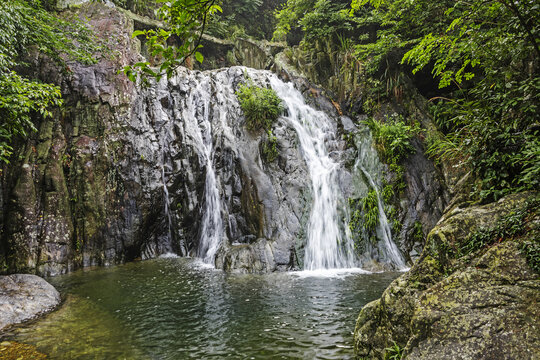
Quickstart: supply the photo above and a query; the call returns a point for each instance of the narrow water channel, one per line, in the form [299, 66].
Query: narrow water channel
[173, 308]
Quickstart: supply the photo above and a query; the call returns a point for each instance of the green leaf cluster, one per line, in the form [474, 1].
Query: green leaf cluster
[261, 106]
[392, 138]
[370, 206]
[184, 24]
[364, 218]
[395, 352]
[269, 148]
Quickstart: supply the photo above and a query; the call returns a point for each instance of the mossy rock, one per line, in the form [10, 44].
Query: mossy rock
[482, 306]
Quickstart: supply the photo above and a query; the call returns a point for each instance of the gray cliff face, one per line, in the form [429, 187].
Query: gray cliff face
[63, 203]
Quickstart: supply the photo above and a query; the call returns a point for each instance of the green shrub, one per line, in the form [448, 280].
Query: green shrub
[388, 193]
[269, 148]
[393, 138]
[418, 232]
[261, 106]
[393, 143]
[364, 216]
[370, 205]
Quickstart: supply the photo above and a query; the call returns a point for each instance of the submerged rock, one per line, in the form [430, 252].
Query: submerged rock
[24, 297]
[450, 305]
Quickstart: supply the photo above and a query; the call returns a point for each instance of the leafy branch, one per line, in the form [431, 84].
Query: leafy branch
[185, 22]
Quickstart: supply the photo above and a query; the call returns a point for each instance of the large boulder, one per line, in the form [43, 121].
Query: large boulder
[460, 301]
[24, 297]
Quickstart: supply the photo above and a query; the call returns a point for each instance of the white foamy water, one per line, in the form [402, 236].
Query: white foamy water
[203, 112]
[328, 246]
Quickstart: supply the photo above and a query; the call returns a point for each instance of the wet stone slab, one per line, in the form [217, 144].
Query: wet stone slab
[24, 297]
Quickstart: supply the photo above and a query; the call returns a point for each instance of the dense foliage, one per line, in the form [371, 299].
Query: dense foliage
[317, 19]
[261, 106]
[483, 55]
[393, 138]
[26, 27]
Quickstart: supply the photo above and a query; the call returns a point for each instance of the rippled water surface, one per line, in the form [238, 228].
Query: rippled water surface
[174, 309]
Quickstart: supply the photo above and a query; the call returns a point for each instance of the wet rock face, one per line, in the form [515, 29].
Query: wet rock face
[120, 173]
[425, 200]
[64, 204]
[477, 307]
[24, 297]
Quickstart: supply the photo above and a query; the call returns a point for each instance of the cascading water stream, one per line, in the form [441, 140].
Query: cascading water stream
[367, 158]
[166, 202]
[328, 245]
[197, 122]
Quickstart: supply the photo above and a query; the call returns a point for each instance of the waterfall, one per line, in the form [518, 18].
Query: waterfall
[196, 117]
[368, 163]
[328, 245]
[209, 121]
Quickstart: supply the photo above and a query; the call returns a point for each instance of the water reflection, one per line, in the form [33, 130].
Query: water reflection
[171, 309]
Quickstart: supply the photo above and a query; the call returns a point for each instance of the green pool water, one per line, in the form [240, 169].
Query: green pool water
[176, 309]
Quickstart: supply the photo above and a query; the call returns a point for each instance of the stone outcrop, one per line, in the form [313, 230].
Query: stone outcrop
[24, 297]
[482, 305]
[61, 194]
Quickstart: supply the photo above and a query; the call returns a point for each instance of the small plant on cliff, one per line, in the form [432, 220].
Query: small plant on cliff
[418, 232]
[393, 143]
[364, 216]
[392, 138]
[370, 205]
[269, 148]
[261, 106]
[395, 352]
